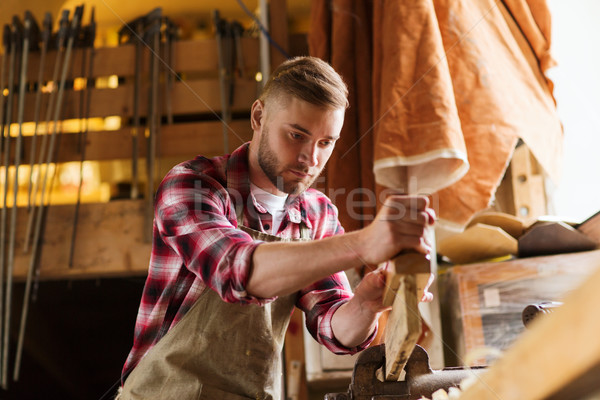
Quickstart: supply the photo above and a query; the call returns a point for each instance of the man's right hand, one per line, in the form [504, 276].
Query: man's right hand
[402, 223]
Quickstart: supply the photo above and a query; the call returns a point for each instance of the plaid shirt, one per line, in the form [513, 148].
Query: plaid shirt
[196, 246]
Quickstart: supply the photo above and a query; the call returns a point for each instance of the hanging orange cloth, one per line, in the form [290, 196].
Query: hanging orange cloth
[459, 82]
[455, 84]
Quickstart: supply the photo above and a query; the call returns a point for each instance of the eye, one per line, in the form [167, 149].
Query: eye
[326, 143]
[296, 136]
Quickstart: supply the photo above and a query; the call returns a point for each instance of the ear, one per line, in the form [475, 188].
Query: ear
[257, 114]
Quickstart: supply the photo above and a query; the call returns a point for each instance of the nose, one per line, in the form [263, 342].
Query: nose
[309, 155]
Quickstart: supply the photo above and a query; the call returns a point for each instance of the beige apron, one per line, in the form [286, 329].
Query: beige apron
[218, 350]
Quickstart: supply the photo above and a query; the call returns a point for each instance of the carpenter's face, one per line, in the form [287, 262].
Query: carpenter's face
[295, 142]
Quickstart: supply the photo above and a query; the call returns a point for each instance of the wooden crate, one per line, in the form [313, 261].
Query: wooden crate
[482, 303]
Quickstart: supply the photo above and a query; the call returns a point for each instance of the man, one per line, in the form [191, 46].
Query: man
[240, 240]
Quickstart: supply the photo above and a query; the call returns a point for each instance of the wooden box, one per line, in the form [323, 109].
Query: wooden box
[482, 303]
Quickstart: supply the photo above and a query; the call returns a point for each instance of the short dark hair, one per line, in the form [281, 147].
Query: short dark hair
[310, 79]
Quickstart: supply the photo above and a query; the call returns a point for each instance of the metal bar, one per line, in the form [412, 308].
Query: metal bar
[139, 30]
[88, 91]
[221, 36]
[8, 52]
[6, 42]
[28, 23]
[73, 32]
[47, 32]
[238, 30]
[9, 111]
[264, 46]
[153, 117]
[168, 48]
[60, 45]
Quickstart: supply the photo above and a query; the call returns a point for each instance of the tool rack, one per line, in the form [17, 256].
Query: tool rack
[110, 236]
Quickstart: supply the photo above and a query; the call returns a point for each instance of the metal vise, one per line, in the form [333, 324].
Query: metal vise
[420, 380]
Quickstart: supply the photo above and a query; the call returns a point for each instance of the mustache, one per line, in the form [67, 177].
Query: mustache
[302, 169]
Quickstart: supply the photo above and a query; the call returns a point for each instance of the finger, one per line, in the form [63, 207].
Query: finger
[375, 278]
[419, 203]
[383, 267]
[406, 229]
[431, 216]
[415, 243]
[425, 245]
[418, 217]
[429, 236]
[378, 278]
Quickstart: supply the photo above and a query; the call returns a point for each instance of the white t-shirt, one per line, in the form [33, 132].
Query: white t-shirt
[275, 205]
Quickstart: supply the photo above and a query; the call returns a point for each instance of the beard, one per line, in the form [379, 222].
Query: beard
[271, 166]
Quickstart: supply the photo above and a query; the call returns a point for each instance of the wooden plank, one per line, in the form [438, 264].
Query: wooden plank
[190, 56]
[553, 238]
[511, 224]
[201, 55]
[109, 242]
[528, 185]
[591, 227]
[176, 140]
[560, 348]
[476, 243]
[403, 326]
[188, 97]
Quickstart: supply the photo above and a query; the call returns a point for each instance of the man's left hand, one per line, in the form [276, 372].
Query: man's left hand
[370, 291]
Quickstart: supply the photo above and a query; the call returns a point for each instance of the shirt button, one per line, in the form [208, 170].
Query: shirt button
[267, 226]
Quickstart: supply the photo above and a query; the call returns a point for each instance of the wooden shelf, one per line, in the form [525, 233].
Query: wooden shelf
[178, 140]
[109, 242]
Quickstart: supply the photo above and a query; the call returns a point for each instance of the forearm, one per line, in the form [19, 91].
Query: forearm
[352, 323]
[283, 268]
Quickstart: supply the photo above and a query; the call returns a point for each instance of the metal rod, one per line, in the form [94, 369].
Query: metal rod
[60, 45]
[169, 49]
[221, 35]
[238, 31]
[8, 40]
[139, 28]
[46, 33]
[27, 37]
[9, 111]
[86, 115]
[153, 117]
[264, 46]
[75, 24]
